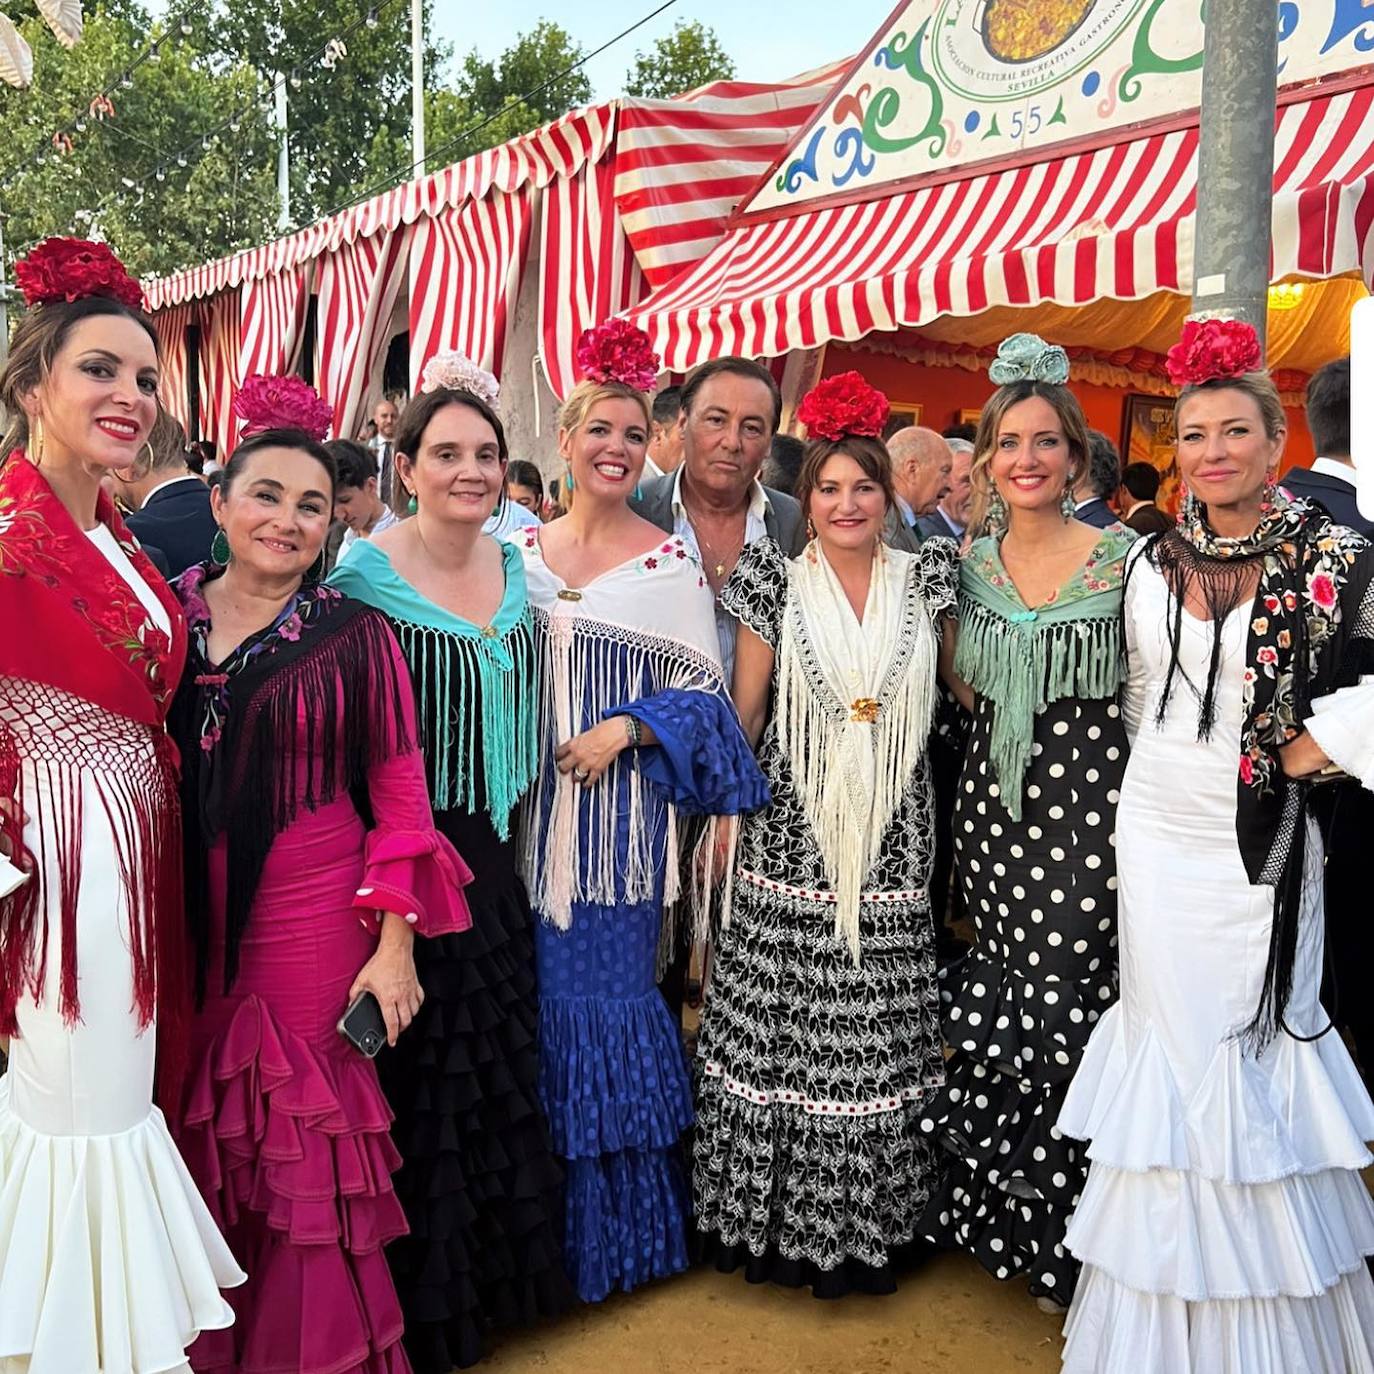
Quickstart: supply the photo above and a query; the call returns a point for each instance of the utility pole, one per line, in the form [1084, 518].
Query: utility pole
[283, 160]
[417, 86]
[1232, 231]
[4, 299]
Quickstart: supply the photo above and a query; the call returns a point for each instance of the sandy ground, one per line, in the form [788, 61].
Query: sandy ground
[948, 1317]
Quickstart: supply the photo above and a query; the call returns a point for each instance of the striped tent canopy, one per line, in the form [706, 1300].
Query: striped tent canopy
[1113, 222]
[16, 58]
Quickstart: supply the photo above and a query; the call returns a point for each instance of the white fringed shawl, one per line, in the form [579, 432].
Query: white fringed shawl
[854, 708]
[643, 627]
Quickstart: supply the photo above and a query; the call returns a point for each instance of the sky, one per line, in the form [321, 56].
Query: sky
[768, 39]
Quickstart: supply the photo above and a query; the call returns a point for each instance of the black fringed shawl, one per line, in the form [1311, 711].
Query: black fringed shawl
[249, 767]
[1311, 632]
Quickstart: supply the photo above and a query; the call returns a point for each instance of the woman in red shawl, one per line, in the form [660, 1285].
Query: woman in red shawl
[108, 1257]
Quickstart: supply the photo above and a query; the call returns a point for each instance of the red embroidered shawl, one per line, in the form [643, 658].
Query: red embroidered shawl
[69, 621]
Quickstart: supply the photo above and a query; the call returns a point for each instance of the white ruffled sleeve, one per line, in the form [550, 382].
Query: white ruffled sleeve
[10, 877]
[1343, 725]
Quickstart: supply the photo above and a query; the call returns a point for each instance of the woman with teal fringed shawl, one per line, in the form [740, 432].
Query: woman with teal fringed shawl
[481, 1188]
[1038, 662]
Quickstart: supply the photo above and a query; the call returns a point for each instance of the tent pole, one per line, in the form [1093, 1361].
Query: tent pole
[1231, 247]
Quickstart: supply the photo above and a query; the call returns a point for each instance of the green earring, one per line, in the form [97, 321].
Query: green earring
[219, 548]
[568, 481]
[412, 506]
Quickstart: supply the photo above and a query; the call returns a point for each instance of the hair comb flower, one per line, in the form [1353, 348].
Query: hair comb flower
[61, 269]
[1028, 358]
[1211, 349]
[282, 403]
[844, 406]
[618, 352]
[454, 371]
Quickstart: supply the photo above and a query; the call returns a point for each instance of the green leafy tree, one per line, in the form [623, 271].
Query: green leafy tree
[688, 57]
[222, 198]
[540, 56]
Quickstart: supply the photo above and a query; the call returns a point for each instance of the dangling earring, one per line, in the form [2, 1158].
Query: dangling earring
[997, 513]
[219, 549]
[36, 441]
[1067, 505]
[1187, 508]
[810, 530]
[413, 505]
[639, 491]
[567, 480]
[1267, 499]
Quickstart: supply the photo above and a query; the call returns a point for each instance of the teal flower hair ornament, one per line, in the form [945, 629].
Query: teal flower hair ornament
[1028, 358]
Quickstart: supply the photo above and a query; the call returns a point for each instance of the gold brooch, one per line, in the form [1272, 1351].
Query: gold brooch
[569, 594]
[865, 711]
[489, 632]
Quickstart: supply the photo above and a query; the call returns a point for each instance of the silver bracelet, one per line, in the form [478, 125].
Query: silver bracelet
[634, 731]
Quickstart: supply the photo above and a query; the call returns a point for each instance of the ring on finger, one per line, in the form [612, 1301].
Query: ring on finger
[581, 774]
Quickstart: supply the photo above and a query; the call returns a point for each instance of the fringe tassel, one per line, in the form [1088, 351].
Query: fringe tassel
[573, 850]
[848, 817]
[448, 669]
[1022, 666]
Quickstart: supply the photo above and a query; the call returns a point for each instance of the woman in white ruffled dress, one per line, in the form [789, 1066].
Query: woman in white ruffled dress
[109, 1260]
[1224, 1225]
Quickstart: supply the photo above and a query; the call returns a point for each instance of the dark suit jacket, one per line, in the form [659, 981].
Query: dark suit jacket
[935, 526]
[1337, 496]
[1147, 519]
[782, 517]
[1097, 513]
[897, 534]
[177, 520]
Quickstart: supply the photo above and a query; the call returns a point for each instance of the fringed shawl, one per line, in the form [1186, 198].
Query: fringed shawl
[1021, 659]
[855, 702]
[73, 625]
[474, 684]
[294, 718]
[644, 627]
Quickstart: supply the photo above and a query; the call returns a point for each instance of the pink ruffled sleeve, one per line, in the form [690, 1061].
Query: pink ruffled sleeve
[408, 866]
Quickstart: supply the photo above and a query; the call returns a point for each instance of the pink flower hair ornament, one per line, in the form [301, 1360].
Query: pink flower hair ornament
[618, 352]
[1213, 350]
[844, 406]
[282, 403]
[454, 371]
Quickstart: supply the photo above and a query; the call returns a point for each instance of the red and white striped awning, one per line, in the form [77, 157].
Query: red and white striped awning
[683, 165]
[1116, 222]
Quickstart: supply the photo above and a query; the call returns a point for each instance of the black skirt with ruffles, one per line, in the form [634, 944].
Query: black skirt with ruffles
[480, 1186]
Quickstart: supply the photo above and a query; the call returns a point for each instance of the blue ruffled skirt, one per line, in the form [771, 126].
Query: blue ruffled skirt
[615, 1087]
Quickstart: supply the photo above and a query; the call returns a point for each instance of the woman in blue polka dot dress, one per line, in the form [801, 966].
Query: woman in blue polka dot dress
[1038, 663]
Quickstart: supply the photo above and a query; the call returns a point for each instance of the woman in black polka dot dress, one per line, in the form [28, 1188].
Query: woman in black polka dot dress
[1039, 650]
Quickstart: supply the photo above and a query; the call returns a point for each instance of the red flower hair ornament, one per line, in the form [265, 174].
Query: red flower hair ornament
[618, 352]
[282, 403]
[1213, 349]
[842, 406]
[61, 269]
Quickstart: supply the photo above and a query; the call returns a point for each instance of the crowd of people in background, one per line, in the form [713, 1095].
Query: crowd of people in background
[384, 813]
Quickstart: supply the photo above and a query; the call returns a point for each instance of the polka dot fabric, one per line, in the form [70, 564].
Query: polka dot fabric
[1020, 1006]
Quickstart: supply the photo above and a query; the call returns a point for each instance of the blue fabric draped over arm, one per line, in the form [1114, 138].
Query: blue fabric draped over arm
[702, 760]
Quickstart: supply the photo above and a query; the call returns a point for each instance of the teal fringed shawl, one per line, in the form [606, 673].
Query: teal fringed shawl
[1022, 659]
[460, 668]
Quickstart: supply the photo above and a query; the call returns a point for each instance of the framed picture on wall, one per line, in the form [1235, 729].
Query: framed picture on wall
[970, 417]
[901, 415]
[1147, 436]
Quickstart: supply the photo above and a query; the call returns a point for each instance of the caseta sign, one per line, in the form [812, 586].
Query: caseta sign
[948, 83]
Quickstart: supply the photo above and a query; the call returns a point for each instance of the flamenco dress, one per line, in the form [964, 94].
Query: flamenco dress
[308, 801]
[602, 862]
[481, 1189]
[1034, 841]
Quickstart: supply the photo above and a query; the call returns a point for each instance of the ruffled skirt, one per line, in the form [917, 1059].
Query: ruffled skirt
[290, 1145]
[613, 1079]
[481, 1189]
[1223, 1230]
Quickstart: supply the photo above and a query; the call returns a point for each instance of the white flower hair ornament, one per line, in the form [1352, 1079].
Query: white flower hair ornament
[454, 371]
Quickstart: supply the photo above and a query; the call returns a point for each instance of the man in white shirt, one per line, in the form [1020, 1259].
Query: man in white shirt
[1330, 480]
[714, 501]
[949, 519]
[383, 446]
[358, 506]
[665, 438]
[921, 466]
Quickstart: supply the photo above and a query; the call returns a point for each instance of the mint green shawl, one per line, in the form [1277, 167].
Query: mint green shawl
[1021, 659]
